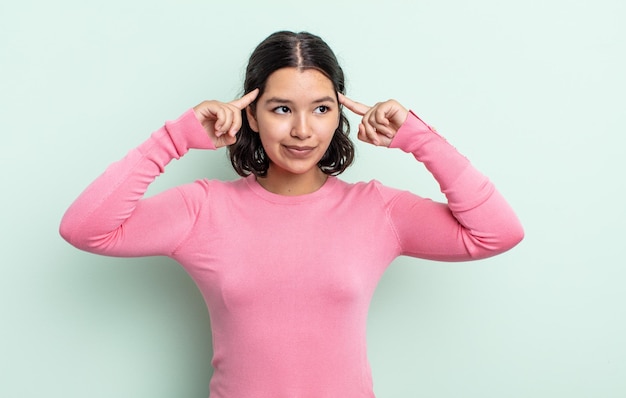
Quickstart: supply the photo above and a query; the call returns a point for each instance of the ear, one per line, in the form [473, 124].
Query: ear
[252, 120]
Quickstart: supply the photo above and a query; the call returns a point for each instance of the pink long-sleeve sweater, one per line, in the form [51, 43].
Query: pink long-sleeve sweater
[288, 279]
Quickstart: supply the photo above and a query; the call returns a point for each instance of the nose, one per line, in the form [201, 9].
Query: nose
[301, 128]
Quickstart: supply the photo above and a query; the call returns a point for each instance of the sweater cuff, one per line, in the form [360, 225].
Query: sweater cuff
[188, 133]
[406, 134]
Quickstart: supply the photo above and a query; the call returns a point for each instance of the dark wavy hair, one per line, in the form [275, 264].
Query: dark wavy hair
[285, 49]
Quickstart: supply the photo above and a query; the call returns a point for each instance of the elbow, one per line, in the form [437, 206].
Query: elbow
[66, 230]
[510, 238]
[519, 235]
[72, 233]
[84, 237]
[490, 245]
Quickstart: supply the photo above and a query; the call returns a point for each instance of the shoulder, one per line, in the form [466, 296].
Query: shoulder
[201, 190]
[371, 190]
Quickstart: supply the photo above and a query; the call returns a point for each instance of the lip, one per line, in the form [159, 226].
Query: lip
[299, 151]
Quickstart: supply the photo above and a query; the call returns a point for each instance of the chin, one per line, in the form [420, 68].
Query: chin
[295, 170]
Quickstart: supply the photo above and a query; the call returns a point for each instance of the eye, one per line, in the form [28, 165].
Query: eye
[281, 109]
[322, 109]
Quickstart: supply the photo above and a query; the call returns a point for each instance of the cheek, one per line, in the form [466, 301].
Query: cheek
[272, 131]
[272, 126]
[327, 128]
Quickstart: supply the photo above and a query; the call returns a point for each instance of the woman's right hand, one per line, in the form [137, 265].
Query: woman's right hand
[222, 120]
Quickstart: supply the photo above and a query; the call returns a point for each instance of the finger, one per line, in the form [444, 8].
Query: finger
[380, 116]
[226, 121]
[235, 121]
[368, 132]
[380, 121]
[224, 140]
[361, 134]
[356, 107]
[372, 135]
[220, 116]
[246, 100]
[370, 125]
[366, 135]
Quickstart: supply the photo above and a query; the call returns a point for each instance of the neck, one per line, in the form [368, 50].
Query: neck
[288, 184]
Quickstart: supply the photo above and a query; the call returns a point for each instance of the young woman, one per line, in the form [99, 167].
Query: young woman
[288, 256]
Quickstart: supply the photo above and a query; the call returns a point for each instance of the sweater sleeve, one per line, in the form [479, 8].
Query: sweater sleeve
[111, 216]
[476, 222]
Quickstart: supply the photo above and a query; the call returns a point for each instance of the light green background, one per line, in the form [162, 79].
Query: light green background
[531, 91]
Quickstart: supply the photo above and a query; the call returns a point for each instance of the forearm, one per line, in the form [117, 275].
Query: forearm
[478, 222]
[95, 220]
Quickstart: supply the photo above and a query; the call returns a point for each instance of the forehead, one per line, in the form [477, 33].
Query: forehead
[298, 83]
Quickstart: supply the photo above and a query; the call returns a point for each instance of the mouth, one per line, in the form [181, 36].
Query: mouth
[299, 151]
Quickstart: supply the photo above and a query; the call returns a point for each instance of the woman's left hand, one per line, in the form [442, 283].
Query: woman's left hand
[380, 122]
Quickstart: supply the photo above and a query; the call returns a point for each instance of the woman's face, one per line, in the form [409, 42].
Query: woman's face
[296, 118]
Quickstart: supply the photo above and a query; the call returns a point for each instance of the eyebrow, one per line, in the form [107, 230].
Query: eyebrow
[286, 101]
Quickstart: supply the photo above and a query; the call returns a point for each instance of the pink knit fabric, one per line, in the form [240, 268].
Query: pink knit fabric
[288, 279]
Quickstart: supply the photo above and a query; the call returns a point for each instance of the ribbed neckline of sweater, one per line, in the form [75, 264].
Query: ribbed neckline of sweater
[323, 191]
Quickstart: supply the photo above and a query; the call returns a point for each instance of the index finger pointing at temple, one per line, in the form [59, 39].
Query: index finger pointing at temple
[246, 100]
[356, 107]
